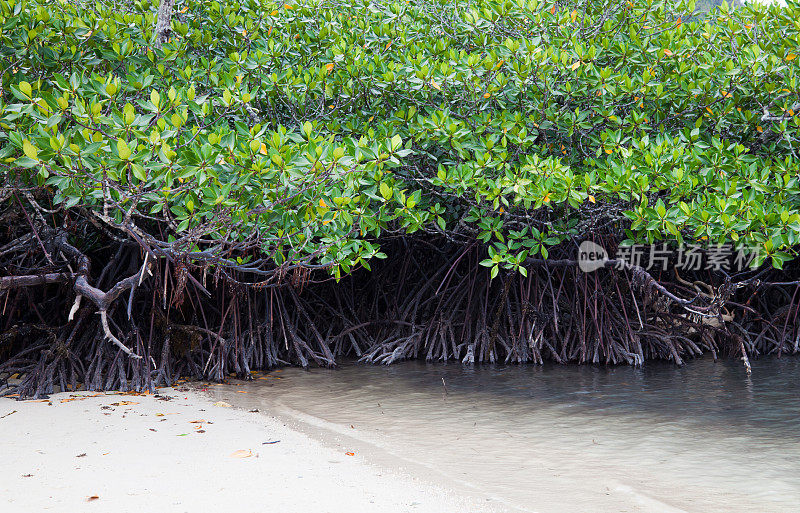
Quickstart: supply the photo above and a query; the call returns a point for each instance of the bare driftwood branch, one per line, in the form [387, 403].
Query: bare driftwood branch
[102, 300]
[75, 306]
[31, 280]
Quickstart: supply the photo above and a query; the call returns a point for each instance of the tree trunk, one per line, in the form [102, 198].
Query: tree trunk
[164, 22]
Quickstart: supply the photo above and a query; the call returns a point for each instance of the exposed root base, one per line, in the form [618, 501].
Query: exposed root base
[437, 304]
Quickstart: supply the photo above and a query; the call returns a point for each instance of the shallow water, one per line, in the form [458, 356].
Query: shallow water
[702, 438]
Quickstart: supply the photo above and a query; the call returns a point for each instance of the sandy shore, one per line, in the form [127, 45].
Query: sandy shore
[179, 451]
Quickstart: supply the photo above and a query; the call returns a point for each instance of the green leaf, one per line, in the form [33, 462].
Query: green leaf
[26, 89]
[123, 149]
[661, 209]
[138, 172]
[397, 142]
[29, 149]
[26, 162]
[386, 191]
[128, 114]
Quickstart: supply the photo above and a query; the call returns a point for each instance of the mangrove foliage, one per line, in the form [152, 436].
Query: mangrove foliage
[206, 188]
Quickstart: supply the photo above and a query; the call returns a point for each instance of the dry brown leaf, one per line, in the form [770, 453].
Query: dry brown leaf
[124, 403]
[200, 421]
[92, 498]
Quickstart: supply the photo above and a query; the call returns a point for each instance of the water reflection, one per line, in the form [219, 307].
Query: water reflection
[704, 437]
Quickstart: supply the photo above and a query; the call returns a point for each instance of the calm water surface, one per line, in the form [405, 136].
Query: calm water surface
[702, 438]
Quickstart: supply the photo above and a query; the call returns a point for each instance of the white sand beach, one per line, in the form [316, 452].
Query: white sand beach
[83, 452]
